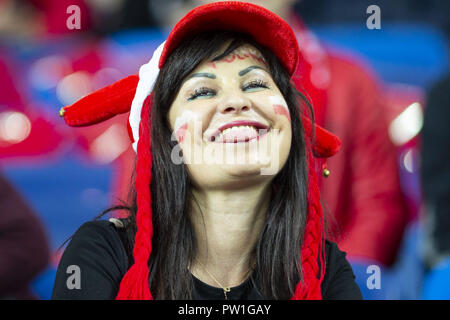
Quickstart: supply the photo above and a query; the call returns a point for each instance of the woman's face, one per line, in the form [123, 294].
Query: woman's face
[231, 122]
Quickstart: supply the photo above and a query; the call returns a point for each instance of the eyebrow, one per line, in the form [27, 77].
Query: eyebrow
[247, 70]
[202, 74]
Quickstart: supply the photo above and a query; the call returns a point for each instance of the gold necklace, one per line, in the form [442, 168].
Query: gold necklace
[225, 289]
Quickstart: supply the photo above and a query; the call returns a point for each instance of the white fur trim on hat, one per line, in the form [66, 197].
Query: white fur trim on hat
[147, 78]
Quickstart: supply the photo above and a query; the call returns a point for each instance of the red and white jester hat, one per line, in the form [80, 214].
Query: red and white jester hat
[132, 94]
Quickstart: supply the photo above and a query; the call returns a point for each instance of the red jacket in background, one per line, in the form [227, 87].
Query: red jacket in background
[363, 194]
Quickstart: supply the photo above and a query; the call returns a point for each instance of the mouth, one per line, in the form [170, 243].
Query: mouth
[239, 131]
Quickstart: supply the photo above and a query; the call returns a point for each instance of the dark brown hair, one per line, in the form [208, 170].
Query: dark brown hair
[277, 254]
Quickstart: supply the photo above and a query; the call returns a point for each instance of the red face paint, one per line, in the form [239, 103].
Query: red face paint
[244, 56]
[279, 109]
[241, 54]
[233, 57]
[181, 133]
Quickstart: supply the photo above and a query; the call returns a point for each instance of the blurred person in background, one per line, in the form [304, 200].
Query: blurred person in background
[367, 210]
[24, 250]
[32, 20]
[30, 30]
[18, 19]
[435, 174]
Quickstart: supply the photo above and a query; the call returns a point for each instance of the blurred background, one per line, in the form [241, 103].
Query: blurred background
[383, 91]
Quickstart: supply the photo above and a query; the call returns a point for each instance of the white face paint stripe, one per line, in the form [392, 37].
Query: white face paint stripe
[185, 117]
[278, 100]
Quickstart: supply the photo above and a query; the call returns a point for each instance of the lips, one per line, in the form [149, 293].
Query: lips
[239, 131]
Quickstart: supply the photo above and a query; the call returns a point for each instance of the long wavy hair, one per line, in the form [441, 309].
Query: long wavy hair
[174, 245]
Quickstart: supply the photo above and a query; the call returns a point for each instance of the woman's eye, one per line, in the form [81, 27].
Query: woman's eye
[202, 92]
[255, 84]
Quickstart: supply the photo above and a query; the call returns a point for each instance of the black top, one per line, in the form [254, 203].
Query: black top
[97, 249]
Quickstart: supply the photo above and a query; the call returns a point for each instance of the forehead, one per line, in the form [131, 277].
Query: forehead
[243, 49]
[243, 54]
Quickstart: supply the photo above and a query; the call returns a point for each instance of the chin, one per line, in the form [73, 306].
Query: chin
[232, 176]
[242, 170]
[259, 171]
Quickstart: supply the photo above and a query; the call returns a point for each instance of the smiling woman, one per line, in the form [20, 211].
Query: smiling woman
[216, 229]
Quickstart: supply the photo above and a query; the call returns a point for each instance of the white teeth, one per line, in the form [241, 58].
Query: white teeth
[234, 128]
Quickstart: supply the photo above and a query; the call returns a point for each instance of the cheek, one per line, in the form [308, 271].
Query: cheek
[181, 132]
[280, 107]
[181, 124]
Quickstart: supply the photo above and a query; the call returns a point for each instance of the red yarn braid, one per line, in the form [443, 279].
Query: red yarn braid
[135, 285]
[313, 240]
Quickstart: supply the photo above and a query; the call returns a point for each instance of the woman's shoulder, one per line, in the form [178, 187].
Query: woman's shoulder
[332, 249]
[109, 235]
[339, 280]
[97, 232]
[97, 254]
[96, 228]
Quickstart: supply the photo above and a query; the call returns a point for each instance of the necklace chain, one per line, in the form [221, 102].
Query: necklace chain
[225, 289]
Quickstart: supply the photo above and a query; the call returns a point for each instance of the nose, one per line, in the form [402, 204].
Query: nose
[234, 102]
